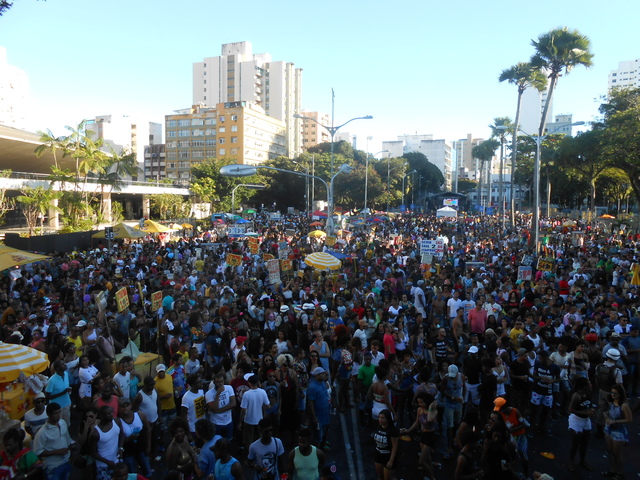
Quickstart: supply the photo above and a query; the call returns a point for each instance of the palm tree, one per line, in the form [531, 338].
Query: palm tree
[523, 75]
[484, 152]
[50, 142]
[499, 129]
[558, 51]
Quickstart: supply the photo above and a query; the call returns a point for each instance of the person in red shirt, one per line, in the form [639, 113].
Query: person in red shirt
[389, 341]
[477, 319]
[563, 287]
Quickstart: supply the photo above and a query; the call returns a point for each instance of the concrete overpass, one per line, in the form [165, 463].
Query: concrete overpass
[28, 170]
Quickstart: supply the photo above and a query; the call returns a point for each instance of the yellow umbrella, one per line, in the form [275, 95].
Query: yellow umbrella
[175, 226]
[12, 257]
[322, 261]
[187, 226]
[152, 227]
[16, 359]
[607, 216]
[317, 234]
[120, 231]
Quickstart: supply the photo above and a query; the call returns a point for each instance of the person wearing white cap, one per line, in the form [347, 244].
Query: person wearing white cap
[35, 418]
[454, 391]
[607, 375]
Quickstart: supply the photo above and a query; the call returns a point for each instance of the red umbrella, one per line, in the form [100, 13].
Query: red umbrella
[319, 213]
[316, 224]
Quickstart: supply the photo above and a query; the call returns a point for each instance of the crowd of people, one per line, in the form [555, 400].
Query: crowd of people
[469, 355]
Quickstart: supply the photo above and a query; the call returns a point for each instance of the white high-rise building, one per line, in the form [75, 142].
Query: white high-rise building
[14, 94]
[531, 110]
[626, 76]
[438, 152]
[123, 133]
[239, 75]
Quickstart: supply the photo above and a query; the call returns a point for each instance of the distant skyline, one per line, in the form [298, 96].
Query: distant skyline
[417, 67]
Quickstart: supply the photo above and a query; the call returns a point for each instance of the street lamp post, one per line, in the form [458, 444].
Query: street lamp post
[236, 170]
[366, 177]
[332, 131]
[306, 186]
[535, 220]
[406, 175]
[389, 170]
[255, 186]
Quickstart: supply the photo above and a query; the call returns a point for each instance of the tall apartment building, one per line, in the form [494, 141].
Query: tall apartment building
[467, 165]
[438, 152]
[531, 110]
[155, 162]
[239, 130]
[239, 75]
[312, 133]
[123, 133]
[627, 75]
[562, 125]
[14, 94]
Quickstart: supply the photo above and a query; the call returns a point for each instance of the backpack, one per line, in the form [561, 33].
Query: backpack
[605, 376]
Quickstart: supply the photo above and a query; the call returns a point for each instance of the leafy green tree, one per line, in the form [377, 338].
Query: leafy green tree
[583, 153]
[432, 177]
[35, 203]
[6, 203]
[465, 185]
[621, 133]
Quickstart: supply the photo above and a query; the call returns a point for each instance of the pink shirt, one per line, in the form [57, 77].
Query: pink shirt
[477, 320]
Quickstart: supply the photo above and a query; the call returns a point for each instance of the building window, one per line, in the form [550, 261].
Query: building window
[221, 118]
[234, 139]
[234, 128]
[222, 130]
[221, 151]
[234, 118]
[171, 133]
[197, 121]
[185, 122]
[183, 155]
[172, 123]
[221, 140]
[184, 133]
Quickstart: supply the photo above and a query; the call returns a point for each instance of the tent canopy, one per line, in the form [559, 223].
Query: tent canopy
[446, 212]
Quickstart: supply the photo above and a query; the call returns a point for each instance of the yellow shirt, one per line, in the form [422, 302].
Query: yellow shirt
[515, 336]
[164, 386]
[78, 344]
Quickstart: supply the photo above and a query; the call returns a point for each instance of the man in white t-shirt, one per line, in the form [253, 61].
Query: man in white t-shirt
[123, 377]
[221, 400]
[194, 406]
[453, 304]
[252, 407]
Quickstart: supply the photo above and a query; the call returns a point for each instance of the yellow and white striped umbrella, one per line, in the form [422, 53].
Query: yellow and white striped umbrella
[322, 261]
[16, 359]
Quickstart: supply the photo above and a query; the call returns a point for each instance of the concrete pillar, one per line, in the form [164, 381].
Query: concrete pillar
[106, 207]
[128, 208]
[146, 206]
[53, 214]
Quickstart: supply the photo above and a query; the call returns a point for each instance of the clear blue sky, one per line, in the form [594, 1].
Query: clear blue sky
[417, 66]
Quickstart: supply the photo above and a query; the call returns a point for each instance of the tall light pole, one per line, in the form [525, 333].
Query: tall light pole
[405, 176]
[255, 186]
[389, 170]
[236, 170]
[366, 177]
[535, 220]
[332, 131]
[306, 185]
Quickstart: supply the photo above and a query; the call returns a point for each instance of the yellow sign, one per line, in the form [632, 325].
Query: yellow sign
[545, 264]
[285, 265]
[156, 300]
[330, 241]
[234, 260]
[267, 256]
[122, 299]
[254, 245]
